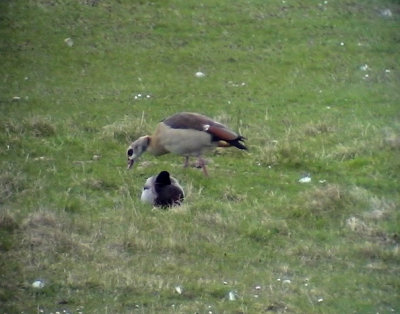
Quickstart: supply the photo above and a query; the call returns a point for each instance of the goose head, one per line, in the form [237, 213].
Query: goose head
[136, 149]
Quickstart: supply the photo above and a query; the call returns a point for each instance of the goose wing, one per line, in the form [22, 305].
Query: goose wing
[196, 121]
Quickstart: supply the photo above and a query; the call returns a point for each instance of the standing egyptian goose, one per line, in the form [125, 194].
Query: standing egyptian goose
[162, 190]
[187, 134]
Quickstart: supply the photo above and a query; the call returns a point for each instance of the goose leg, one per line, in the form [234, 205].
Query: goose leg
[186, 164]
[202, 165]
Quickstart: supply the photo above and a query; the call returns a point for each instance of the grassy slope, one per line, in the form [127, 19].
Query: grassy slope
[286, 75]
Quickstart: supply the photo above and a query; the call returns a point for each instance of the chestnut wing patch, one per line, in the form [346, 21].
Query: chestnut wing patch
[220, 133]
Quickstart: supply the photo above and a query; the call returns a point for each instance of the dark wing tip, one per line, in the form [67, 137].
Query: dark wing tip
[237, 143]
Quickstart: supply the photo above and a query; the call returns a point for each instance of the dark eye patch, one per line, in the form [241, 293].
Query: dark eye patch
[130, 152]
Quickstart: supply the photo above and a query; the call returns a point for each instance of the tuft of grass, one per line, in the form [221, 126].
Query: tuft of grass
[36, 126]
[326, 200]
[392, 138]
[40, 127]
[11, 184]
[43, 232]
[8, 226]
[315, 129]
[126, 130]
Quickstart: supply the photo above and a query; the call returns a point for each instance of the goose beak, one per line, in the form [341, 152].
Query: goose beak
[130, 163]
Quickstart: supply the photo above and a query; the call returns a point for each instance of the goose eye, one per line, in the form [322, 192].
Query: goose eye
[146, 188]
[130, 152]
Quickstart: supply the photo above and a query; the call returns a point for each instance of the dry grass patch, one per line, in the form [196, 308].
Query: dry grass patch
[376, 210]
[40, 126]
[372, 241]
[8, 225]
[11, 127]
[391, 138]
[374, 251]
[345, 152]
[11, 184]
[329, 199]
[127, 129]
[7, 221]
[290, 152]
[314, 129]
[49, 235]
[267, 154]
[37, 126]
[231, 195]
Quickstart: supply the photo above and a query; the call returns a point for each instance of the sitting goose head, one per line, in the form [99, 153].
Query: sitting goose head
[162, 190]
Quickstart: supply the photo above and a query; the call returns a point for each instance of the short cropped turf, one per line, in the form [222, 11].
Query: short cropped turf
[306, 221]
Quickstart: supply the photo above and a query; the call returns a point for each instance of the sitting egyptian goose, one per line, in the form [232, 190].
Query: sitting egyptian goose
[187, 134]
[162, 190]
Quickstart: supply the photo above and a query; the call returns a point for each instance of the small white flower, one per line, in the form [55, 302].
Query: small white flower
[287, 281]
[200, 74]
[387, 13]
[96, 157]
[232, 296]
[342, 43]
[305, 179]
[38, 284]
[69, 42]
[364, 67]
[320, 300]
[178, 289]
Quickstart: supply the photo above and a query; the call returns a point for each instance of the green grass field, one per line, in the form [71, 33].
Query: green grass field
[312, 84]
